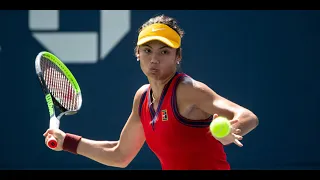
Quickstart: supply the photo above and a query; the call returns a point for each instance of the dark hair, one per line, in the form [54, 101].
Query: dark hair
[169, 21]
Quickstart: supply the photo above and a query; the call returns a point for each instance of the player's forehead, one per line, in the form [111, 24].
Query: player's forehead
[155, 44]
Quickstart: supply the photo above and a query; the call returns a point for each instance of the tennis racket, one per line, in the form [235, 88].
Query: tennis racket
[61, 89]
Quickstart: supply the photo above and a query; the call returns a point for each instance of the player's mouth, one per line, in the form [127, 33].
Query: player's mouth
[153, 69]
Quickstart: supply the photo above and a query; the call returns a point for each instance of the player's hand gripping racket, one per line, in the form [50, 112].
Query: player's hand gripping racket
[60, 88]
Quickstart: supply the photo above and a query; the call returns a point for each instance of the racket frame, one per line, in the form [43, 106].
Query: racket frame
[52, 103]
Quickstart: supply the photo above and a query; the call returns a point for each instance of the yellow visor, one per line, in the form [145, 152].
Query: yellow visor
[159, 32]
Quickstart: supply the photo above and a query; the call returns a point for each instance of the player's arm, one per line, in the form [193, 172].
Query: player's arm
[211, 102]
[118, 153]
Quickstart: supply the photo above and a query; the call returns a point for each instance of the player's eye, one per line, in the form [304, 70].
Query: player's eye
[147, 50]
[164, 52]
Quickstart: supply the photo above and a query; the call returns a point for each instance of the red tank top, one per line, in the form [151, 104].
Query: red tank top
[178, 142]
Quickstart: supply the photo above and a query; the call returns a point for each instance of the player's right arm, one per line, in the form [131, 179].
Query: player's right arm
[116, 153]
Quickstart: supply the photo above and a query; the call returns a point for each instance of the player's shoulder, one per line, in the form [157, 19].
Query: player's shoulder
[141, 90]
[189, 83]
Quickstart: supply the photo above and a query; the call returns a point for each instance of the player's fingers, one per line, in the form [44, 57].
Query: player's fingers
[238, 143]
[236, 136]
[215, 116]
[233, 121]
[237, 131]
[49, 131]
[47, 138]
[45, 133]
[233, 130]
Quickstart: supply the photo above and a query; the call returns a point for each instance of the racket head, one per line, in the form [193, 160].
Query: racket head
[58, 84]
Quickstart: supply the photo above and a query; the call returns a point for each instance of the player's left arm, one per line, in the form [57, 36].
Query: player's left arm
[209, 101]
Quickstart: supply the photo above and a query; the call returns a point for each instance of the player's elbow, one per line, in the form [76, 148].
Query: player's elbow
[123, 164]
[254, 120]
[249, 123]
[120, 164]
[122, 160]
[125, 160]
[117, 161]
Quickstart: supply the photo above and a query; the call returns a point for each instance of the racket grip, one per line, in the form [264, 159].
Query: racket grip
[54, 124]
[52, 142]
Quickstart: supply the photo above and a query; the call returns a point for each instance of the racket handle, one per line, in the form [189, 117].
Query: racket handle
[52, 142]
[54, 124]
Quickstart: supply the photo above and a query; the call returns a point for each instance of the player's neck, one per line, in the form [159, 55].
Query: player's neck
[158, 85]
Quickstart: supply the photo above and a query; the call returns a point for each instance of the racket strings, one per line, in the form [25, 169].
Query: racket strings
[58, 85]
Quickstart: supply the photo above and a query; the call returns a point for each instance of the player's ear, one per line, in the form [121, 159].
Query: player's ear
[179, 55]
[137, 53]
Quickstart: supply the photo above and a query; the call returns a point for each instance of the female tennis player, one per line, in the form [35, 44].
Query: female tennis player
[171, 114]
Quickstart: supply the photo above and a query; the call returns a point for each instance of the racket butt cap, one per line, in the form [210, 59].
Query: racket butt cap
[52, 143]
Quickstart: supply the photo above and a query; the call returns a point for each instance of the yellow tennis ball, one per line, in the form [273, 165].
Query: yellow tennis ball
[220, 127]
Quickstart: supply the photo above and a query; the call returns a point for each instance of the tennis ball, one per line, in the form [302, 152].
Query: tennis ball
[220, 127]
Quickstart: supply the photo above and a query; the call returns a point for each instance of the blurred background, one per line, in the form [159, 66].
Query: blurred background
[267, 61]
